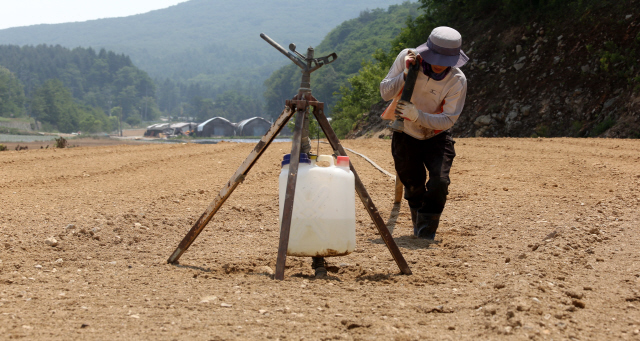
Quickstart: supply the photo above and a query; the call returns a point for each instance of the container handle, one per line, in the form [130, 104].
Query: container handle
[328, 158]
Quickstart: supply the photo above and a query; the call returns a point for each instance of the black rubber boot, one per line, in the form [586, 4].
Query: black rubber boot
[318, 264]
[426, 225]
[414, 214]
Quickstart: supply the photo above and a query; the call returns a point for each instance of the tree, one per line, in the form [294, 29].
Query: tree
[94, 80]
[149, 109]
[362, 92]
[11, 95]
[203, 108]
[127, 100]
[117, 113]
[94, 120]
[52, 103]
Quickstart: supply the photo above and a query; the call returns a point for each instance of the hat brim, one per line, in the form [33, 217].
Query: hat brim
[435, 58]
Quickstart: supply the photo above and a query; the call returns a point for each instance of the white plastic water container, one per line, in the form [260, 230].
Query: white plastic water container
[323, 223]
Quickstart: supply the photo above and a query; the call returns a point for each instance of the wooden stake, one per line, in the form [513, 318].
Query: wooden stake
[287, 212]
[399, 190]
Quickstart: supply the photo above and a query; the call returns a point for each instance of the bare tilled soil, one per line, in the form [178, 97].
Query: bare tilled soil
[539, 240]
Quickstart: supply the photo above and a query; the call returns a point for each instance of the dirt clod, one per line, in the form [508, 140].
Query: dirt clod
[578, 303]
[575, 295]
[51, 241]
[266, 269]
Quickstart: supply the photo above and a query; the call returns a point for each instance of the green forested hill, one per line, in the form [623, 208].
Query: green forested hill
[543, 68]
[210, 37]
[11, 94]
[355, 41]
[71, 90]
[203, 49]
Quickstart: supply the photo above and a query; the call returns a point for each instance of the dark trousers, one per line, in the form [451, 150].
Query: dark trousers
[413, 158]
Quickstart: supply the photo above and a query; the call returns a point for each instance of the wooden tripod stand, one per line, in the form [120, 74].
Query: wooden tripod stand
[300, 104]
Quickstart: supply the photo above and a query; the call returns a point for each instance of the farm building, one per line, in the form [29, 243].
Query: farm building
[155, 130]
[183, 128]
[169, 129]
[255, 126]
[217, 126]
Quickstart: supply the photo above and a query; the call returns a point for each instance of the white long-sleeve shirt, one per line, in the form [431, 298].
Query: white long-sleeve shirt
[439, 103]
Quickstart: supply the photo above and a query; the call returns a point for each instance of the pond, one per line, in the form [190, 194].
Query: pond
[26, 138]
[33, 138]
[212, 141]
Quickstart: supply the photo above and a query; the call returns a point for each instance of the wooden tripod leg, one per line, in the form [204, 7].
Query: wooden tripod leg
[235, 180]
[287, 212]
[364, 195]
[399, 190]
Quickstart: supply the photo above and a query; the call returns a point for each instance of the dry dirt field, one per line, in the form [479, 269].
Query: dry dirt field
[539, 240]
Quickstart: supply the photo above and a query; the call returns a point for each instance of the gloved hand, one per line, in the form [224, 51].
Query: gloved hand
[409, 60]
[408, 110]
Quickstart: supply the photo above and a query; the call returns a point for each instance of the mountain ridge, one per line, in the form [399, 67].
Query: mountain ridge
[162, 41]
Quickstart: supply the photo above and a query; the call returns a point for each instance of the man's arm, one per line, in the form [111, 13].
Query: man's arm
[451, 109]
[391, 85]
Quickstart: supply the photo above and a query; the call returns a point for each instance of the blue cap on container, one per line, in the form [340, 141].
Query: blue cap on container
[303, 159]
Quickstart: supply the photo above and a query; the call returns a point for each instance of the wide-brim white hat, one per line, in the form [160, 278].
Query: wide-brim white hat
[443, 48]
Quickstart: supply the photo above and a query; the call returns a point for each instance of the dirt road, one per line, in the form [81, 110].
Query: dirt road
[539, 240]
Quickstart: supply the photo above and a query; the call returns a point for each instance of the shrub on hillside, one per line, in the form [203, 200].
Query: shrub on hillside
[61, 142]
[603, 126]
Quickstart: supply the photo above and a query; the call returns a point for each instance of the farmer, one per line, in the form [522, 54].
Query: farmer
[435, 106]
